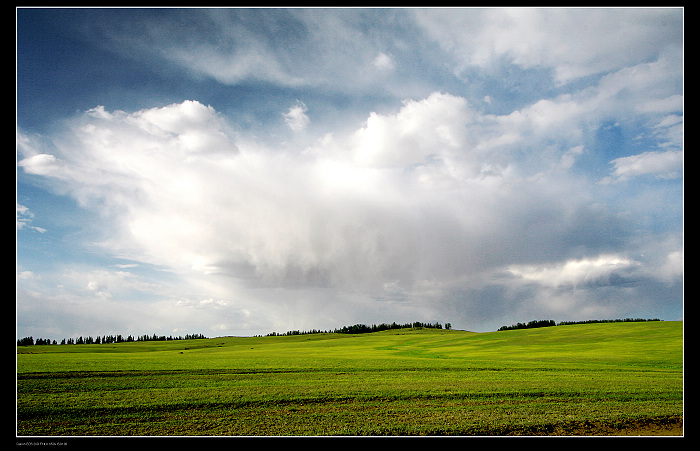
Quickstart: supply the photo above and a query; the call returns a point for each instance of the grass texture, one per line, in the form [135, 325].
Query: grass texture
[587, 379]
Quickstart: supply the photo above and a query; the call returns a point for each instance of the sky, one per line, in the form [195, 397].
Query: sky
[235, 171]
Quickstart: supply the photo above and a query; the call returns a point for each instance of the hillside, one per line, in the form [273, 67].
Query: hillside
[555, 380]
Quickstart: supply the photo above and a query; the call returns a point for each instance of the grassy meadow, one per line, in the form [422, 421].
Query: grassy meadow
[584, 379]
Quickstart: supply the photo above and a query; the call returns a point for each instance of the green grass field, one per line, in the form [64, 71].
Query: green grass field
[587, 379]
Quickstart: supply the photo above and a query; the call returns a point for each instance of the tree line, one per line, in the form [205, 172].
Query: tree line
[104, 339]
[365, 329]
[530, 325]
[548, 322]
[354, 329]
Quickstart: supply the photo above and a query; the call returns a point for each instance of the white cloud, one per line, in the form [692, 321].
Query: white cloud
[409, 209]
[26, 275]
[572, 42]
[275, 219]
[673, 266]
[664, 165]
[107, 284]
[42, 164]
[575, 272]
[383, 62]
[286, 47]
[73, 309]
[24, 218]
[432, 127]
[419, 208]
[296, 117]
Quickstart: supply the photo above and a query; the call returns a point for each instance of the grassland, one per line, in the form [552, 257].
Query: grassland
[589, 379]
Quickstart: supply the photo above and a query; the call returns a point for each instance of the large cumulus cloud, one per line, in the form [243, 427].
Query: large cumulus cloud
[430, 209]
[360, 166]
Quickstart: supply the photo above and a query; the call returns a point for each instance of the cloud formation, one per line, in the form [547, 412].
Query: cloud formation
[591, 41]
[24, 219]
[296, 117]
[575, 272]
[665, 165]
[410, 206]
[478, 166]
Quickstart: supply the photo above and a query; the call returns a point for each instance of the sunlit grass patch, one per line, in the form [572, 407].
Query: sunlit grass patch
[558, 380]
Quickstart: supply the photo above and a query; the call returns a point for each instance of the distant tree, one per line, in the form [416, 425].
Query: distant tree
[530, 325]
[26, 341]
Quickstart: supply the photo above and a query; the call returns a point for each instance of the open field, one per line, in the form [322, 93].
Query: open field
[588, 379]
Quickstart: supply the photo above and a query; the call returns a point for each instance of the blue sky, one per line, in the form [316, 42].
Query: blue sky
[242, 171]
